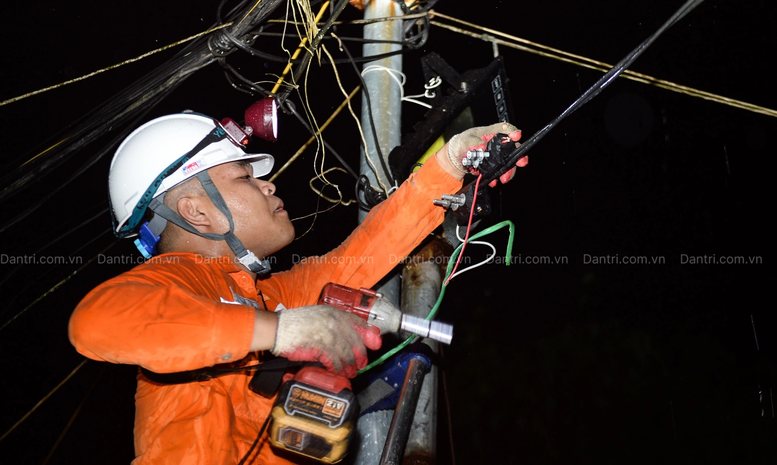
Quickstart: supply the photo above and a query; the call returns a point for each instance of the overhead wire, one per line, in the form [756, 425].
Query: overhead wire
[138, 97]
[381, 158]
[358, 21]
[74, 415]
[297, 52]
[314, 43]
[82, 169]
[316, 47]
[361, 132]
[602, 83]
[550, 52]
[401, 83]
[320, 195]
[304, 146]
[338, 201]
[112, 67]
[44, 399]
[560, 55]
[646, 78]
[54, 241]
[57, 285]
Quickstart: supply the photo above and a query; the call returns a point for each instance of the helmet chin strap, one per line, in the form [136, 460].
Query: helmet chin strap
[245, 256]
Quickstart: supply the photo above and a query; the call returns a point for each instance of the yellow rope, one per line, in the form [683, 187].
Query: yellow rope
[531, 47]
[131, 60]
[302, 44]
[556, 54]
[356, 21]
[249, 11]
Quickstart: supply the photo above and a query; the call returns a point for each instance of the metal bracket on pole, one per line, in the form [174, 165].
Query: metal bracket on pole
[401, 424]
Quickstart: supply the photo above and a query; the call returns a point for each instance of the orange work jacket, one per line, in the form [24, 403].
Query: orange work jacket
[181, 311]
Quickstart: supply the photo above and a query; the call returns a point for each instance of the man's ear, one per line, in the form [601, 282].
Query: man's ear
[196, 210]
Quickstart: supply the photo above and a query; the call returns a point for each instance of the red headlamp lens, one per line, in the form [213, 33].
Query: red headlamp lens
[262, 118]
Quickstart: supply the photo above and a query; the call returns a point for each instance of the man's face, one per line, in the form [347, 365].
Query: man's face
[261, 222]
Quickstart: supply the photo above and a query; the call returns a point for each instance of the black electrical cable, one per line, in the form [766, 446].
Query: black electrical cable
[366, 93]
[245, 85]
[372, 196]
[256, 441]
[418, 40]
[410, 42]
[329, 37]
[235, 9]
[141, 95]
[285, 60]
[56, 286]
[413, 7]
[16, 268]
[593, 91]
[94, 159]
[281, 97]
[293, 109]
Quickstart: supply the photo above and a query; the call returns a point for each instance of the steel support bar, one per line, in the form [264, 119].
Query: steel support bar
[394, 450]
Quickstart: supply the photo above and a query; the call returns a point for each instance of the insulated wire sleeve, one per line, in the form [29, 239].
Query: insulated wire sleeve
[595, 89]
[509, 224]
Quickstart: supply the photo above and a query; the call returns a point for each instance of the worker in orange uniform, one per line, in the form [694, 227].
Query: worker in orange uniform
[184, 186]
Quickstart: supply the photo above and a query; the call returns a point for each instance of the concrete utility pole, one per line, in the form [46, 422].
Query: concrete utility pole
[385, 100]
[384, 92]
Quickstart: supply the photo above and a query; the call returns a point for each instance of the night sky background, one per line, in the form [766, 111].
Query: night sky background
[575, 362]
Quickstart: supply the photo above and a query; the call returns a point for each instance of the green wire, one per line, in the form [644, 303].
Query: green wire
[451, 264]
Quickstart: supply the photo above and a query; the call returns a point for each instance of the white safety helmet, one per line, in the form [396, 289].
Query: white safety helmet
[137, 172]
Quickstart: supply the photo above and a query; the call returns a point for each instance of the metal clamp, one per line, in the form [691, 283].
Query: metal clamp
[452, 202]
[475, 158]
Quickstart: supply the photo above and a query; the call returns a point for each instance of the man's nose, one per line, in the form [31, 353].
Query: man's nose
[267, 187]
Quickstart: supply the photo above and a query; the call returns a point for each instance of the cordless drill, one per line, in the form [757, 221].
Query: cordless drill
[316, 410]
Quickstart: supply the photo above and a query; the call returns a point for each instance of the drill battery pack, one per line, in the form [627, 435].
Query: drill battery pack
[314, 415]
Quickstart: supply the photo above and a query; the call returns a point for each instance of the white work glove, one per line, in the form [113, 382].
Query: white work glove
[477, 138]
[325, 334]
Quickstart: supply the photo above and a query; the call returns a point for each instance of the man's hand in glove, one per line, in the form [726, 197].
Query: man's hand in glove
[451, 155]
[322, 333]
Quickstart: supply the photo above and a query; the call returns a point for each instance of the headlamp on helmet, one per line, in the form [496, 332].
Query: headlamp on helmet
[162, 154]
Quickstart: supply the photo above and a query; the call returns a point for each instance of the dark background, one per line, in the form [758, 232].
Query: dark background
[576, 362]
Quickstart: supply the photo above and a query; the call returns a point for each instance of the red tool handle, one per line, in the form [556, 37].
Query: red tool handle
[357, 302]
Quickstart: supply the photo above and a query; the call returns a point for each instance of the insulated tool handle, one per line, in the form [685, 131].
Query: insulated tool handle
[357, 302]
[381, 314]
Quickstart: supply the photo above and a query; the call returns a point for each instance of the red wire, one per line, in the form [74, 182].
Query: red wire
[469, 226]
